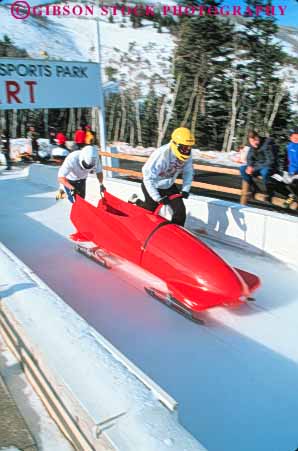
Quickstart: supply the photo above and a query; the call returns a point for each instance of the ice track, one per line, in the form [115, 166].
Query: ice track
[235, 379]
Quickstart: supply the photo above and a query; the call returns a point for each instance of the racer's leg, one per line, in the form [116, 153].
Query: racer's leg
[149, 203]
[177, 205]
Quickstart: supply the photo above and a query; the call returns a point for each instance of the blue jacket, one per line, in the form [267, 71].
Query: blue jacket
[292, 152]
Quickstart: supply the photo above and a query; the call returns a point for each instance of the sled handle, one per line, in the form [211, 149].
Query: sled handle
[171, 197]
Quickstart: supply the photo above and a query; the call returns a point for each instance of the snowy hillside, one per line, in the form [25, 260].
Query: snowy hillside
[289, 39]
[136, 54]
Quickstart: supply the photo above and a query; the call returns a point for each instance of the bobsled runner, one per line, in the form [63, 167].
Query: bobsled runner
[196, 278]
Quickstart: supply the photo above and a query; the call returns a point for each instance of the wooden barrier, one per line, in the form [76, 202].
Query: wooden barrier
[277, 201]
[200, 167]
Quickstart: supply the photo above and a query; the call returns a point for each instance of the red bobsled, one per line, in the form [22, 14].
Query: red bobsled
[195, 276]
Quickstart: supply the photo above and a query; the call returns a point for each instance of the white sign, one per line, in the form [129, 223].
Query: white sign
[30, 84]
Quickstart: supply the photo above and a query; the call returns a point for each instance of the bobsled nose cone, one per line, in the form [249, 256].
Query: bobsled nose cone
[230, 285]
[223, 285]
[206, 290]
[193, 271]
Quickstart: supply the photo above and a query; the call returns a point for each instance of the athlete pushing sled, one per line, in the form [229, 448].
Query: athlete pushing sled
[74, 171]
[161, 171]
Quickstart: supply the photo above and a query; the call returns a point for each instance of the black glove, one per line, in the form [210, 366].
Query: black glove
[164, 200]
[185, 194]
[102, 188]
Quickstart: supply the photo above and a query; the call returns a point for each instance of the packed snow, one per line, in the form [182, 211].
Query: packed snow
[136, 53]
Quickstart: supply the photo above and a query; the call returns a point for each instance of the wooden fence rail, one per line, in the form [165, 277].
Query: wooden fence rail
[207, 186]
[277, 201]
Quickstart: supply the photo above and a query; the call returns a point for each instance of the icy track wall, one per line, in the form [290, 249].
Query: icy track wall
[91, 390]
[259, 231]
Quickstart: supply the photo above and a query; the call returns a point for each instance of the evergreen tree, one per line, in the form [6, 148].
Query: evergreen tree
[283, 120]
[201, 60]
[149, 119]
[111, 73]
[136, 20]
[8, 49]
[265, 58]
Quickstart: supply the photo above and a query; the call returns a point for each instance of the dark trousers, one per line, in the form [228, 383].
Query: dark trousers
[177, 205]
[79, 188]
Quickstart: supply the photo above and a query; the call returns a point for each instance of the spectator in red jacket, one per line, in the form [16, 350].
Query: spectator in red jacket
[79, 137]
[61, 139]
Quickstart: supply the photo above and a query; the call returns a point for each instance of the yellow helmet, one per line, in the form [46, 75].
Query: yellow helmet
[182, 142]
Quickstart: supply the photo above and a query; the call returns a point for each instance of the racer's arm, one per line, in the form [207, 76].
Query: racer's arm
[65, 182]
[62, 174]
[187, 176]
[99, 176]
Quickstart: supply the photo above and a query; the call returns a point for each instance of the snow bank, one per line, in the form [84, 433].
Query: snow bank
[233, 159]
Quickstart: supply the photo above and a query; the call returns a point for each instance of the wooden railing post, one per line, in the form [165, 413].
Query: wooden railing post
[245, 192]
[109, 160]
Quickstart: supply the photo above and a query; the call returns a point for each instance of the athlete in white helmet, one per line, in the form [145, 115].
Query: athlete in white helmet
[161, 171]
[75, 169]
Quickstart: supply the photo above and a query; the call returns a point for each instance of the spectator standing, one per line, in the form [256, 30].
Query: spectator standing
[79, 137]
[89, 138]
[33, 135]
[52, 135]
[61, 140]
[4, 142]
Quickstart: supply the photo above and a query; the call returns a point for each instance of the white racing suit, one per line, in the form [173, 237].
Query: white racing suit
[159, 175]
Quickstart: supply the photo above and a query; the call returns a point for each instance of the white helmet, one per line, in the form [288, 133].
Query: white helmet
[88, 157]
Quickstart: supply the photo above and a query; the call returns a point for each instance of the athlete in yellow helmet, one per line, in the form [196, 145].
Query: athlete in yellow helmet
[161, 171]
[182, 142]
